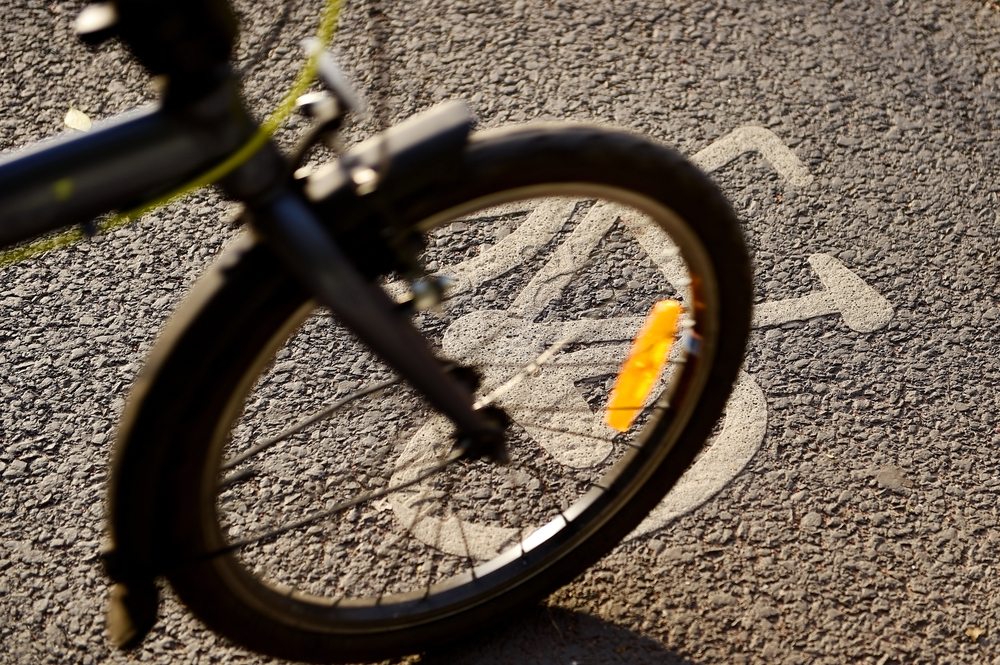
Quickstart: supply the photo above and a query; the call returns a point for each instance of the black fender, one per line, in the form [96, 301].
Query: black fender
[406, 156]
[402, 160]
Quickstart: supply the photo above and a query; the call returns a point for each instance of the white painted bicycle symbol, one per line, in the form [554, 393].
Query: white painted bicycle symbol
[588, 441]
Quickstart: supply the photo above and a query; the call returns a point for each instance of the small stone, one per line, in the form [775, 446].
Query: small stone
[719, 536]
[765, 611]
[721, 599]
[676, 554]
[812, 520]
[892, 478]
[15, 468]
[771, 651]
[974, 633]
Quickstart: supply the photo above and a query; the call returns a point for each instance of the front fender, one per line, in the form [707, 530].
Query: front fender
[405, 159]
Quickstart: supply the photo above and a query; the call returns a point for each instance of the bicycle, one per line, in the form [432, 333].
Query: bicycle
[459, 400]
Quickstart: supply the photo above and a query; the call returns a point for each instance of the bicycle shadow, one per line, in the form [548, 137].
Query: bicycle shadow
[547, 635]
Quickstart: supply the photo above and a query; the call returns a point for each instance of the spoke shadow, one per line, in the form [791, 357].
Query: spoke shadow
[546, 635]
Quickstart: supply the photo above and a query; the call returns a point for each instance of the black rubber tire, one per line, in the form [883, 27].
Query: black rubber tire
[196, 385]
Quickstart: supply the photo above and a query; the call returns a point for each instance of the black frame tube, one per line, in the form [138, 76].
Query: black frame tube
[125, 162]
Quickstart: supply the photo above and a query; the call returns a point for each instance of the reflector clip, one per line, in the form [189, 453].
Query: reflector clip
[645, 361]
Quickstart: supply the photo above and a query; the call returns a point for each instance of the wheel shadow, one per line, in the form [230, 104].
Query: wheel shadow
[546, 635]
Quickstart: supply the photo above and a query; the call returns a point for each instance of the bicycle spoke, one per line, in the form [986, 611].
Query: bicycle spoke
[529, 369]
[565, 364]
[315, 517]
[306, 422]
[468, 552]
[434, 558]
[424, 506]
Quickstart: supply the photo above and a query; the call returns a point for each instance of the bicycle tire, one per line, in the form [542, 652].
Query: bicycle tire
[192, 406]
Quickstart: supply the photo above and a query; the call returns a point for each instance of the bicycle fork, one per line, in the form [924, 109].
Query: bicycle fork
[291, 228]
[307, 249]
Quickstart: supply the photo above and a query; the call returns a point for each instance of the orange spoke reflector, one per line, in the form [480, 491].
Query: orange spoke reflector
[645, 361]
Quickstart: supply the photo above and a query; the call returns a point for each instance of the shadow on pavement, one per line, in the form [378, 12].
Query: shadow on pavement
[548, 635]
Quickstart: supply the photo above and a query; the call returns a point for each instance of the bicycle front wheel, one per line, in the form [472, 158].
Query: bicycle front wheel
[314, 510]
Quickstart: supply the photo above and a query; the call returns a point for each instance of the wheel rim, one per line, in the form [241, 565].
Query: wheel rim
[470, 551]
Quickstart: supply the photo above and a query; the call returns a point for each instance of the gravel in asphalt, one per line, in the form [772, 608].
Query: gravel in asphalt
[865, 528]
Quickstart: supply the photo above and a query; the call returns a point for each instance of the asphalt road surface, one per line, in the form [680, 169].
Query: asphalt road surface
[853, 513]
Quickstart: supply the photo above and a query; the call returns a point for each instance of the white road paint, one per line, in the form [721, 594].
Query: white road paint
[862, 307]
[522, 244]
[725, 456]
[448, 534]
[562, 266]
[754, 139]
[548, 406]
[502, 340]
[500, 344]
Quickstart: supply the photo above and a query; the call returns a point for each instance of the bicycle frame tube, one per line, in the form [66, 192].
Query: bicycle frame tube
[126, 161]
